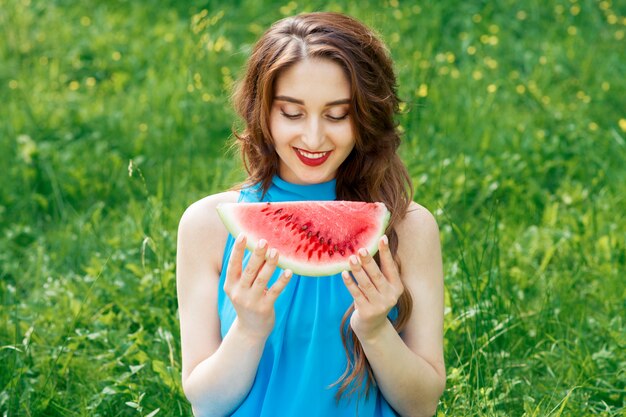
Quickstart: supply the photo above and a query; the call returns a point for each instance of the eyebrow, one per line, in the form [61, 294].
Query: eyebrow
[296, 101]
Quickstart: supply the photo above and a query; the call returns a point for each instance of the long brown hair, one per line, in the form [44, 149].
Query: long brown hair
[372, 172]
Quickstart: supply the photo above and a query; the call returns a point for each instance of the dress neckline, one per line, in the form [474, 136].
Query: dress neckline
[324, 191]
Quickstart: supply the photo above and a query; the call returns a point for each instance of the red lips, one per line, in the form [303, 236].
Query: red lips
[313, 162]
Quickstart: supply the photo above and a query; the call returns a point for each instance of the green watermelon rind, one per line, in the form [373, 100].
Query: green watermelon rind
[302, 268]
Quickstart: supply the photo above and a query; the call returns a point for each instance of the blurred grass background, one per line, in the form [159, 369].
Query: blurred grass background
[115, 116]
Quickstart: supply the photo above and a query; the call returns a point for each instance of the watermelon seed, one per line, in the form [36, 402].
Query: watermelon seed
[321, 240]
[331, 253]
[305, 227]
[278, 211]
[342, 252]
[335, 247]
[290, 216]
[309, 234]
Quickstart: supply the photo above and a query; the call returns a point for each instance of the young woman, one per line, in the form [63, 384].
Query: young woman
[318, 99]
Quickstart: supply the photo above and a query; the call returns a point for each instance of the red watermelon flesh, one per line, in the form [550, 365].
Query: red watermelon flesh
[314, 238]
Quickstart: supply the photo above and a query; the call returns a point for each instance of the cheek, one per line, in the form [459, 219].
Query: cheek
[344, 134]
[281, 131]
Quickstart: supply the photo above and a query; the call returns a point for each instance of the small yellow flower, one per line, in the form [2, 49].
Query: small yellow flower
[422, 91]
[521, 15]
[605, 86]
[471, 50]
[491, 88]
[572, 30]
[13, 84]
[477, 75]
[521, 89]
[116, 56]
[90, 82]
[85, 21]
[622, 124]
[593, 126]
[143, 127]
[477, 18]
[74, 85]
[574, 10]
[491, 63]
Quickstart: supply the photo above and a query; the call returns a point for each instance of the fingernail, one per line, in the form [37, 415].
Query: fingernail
[273, 253]
[385, 240]
[240, 238]
[262, 243]
[287, 273]
[353, 260]
[363, 252]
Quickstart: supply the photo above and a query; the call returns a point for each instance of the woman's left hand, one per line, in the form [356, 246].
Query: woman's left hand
[376, 290]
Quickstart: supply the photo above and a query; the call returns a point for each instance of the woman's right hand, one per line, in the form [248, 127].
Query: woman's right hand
[247, 289]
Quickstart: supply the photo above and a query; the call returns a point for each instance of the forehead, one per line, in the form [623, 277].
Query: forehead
[314, 81]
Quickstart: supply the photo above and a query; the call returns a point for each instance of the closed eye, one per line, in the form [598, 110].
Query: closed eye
[290, 116]
[336, 119]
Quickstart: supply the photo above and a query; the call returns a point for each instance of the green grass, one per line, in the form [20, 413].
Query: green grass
[114, 117]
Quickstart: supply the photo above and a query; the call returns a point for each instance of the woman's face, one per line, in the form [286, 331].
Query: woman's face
[310, 121]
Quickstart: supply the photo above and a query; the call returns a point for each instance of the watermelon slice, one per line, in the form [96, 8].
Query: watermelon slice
[314, 238]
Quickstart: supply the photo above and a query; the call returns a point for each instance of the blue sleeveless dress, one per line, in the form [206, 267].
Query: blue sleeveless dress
[304, 354]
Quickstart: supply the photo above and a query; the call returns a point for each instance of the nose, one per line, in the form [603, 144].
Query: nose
[313, 135]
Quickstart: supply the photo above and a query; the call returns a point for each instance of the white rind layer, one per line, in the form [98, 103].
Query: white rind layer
[299, 268]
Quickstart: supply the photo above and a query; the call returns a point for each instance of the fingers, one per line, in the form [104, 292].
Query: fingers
[363, 281]
[353, 288]
[371, 268]
[388, 265]
[277, 288]
[254, 264]
[376, 284]
[259, 285]
[234, 263]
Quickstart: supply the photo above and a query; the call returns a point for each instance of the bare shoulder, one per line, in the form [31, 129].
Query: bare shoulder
[419, 246]
[203, 212]
[202, 215]
[201, 234]
[418, 227]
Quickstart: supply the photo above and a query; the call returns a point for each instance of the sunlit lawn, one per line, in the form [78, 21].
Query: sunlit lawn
[114, 116]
